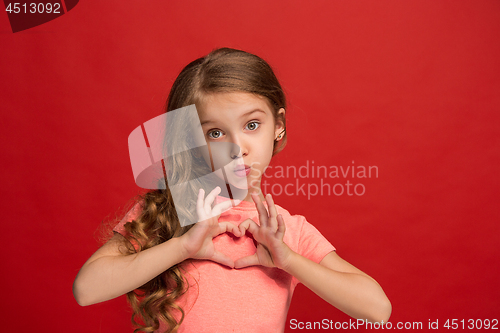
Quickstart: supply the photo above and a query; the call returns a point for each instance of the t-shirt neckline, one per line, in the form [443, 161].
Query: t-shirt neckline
[243, 205]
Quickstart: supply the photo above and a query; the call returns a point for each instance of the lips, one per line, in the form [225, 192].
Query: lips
[242, 170]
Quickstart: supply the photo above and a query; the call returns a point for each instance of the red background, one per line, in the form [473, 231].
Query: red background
[412, 87]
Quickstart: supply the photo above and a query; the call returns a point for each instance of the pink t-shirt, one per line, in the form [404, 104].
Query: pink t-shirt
[245, 300]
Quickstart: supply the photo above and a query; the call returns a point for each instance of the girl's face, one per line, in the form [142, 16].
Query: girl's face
[247, 121]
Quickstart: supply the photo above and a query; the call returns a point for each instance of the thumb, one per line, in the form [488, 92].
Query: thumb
[250, 260]
[223, 259]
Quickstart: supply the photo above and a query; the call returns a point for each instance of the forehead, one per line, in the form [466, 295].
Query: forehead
[231, 105]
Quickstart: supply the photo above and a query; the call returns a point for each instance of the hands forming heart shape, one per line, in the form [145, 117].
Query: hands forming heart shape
[271, 251]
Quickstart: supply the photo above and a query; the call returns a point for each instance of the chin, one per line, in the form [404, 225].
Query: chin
[241, 184]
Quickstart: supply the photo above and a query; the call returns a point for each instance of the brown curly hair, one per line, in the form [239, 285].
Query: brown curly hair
[222, 70]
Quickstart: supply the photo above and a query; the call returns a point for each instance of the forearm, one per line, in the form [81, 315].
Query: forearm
[110, 276]
[357, 295]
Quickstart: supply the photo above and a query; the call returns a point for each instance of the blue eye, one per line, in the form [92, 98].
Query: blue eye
[253, 125]
[215, 134]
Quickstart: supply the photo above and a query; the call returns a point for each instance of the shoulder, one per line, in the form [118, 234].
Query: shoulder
[295, 224]
[299, 230]
[289, 218]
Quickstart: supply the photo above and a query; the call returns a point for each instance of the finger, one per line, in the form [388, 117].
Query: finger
[271, 222]
[270, 206]
[223, 259]
[251, 260]
[228, 226]
[249, 225]
[199, 206]
[210, 199]
[263, 216]
[281, 227]
[221, 207]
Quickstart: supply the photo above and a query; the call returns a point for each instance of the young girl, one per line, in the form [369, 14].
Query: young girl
[236, 269]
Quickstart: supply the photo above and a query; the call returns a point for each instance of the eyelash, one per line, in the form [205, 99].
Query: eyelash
[217, 130]
[253, 122]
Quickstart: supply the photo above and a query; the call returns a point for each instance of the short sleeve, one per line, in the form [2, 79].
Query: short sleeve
[312, 245]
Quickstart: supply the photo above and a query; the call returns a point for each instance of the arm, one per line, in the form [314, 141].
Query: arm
[342, 285]
[335, 280]
[109, 273]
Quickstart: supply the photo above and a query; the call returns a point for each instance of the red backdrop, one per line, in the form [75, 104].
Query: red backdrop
[411, 87]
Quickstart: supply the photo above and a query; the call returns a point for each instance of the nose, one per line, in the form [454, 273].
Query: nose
[238, 148]
[235, 151]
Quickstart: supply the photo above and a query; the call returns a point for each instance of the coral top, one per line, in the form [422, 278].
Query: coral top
[252, 299]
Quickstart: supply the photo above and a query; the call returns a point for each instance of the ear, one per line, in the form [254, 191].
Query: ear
[280, 126]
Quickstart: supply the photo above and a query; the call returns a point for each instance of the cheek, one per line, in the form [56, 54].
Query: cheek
[266, 154]
[204, 153]
[271, 145]
[223, 154]
[268, 138]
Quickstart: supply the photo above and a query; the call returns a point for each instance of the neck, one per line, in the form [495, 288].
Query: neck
[248, 197]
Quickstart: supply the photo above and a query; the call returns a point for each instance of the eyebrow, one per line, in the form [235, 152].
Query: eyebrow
[242, 116]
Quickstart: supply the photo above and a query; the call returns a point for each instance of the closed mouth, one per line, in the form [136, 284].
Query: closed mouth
[242, 170]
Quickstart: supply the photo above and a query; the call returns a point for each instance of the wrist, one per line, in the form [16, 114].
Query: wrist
[183, 251]
[289, 259]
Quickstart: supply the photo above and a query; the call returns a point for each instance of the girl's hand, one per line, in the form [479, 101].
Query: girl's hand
[271, 250]
[197, 242]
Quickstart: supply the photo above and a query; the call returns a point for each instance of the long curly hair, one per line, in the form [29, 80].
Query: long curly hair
[222, 70]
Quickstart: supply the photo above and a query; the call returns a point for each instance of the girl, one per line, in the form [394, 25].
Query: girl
[236, 269]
